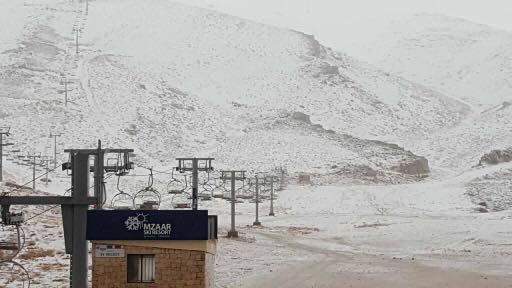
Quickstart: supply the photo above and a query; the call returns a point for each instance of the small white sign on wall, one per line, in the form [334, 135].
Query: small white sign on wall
[109, 251]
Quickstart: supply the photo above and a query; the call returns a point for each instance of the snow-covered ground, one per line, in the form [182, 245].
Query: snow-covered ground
[170, 80]
[460, 58]
[431, 225]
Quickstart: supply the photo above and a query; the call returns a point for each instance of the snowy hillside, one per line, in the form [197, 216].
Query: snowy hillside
[467, 61]
[454, 56]
[170, 80]
[460, 147]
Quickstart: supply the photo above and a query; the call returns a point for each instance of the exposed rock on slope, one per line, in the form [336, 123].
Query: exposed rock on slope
[492, 191]
[496, 157]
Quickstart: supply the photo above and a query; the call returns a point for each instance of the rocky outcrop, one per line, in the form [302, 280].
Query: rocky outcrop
[397, 162]
[418, 166]
[496, 157]
[302, 117]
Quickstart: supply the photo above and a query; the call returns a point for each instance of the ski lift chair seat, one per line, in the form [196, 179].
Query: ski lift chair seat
[9, 246]
[175, 192]
[181, 206]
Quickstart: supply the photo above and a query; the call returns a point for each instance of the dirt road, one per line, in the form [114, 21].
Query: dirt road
[335, 269]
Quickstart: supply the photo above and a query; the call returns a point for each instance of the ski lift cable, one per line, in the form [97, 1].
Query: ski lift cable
[40, 176]
[55, 206]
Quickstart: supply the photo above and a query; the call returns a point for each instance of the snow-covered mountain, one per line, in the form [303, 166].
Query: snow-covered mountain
[470, 61]
[460, 147]
[171, 80]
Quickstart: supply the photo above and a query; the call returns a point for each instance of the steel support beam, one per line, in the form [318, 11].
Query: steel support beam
[45, 200]
[195, 181]
[80, 191]
[257, 220]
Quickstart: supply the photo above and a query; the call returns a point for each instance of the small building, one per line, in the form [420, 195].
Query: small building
[304, 179]
[152, 248]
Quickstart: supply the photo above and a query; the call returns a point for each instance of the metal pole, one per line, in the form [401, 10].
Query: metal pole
[2, 152]
[34, 174]
[1, 157]
[79, 266]
[47, 172]
[76, 42]
[194, 183]
[98, 177]
[257, 221]
[281, 184]
[272, 197]
[233, 233]
[66, 91]
[54, 151]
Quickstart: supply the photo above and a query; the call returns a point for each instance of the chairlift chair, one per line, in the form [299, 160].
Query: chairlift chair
[121, 200]
[14, 244]
[245, 197]
[205, 196]
[176, 186]
[254, 200]
[112, 165]
[179, 201]
[182, 206]
[208, 184]
[147, 194]
[218, 190]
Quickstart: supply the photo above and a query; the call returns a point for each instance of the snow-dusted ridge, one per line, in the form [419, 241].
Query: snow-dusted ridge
[162, 78]
[460, 58]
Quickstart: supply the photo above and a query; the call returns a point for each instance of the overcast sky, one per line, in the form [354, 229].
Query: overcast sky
[322, 17]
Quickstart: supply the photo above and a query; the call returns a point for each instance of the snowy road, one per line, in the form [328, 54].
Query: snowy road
[408, 239]
[362, 271]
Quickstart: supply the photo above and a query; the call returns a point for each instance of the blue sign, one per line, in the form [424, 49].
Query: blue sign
[147, 225]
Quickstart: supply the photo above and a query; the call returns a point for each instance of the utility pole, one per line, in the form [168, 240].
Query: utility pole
[55, 148]
[33, 157]
[257, 221]
[233, 177]
[192, 164]
[3, 131]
